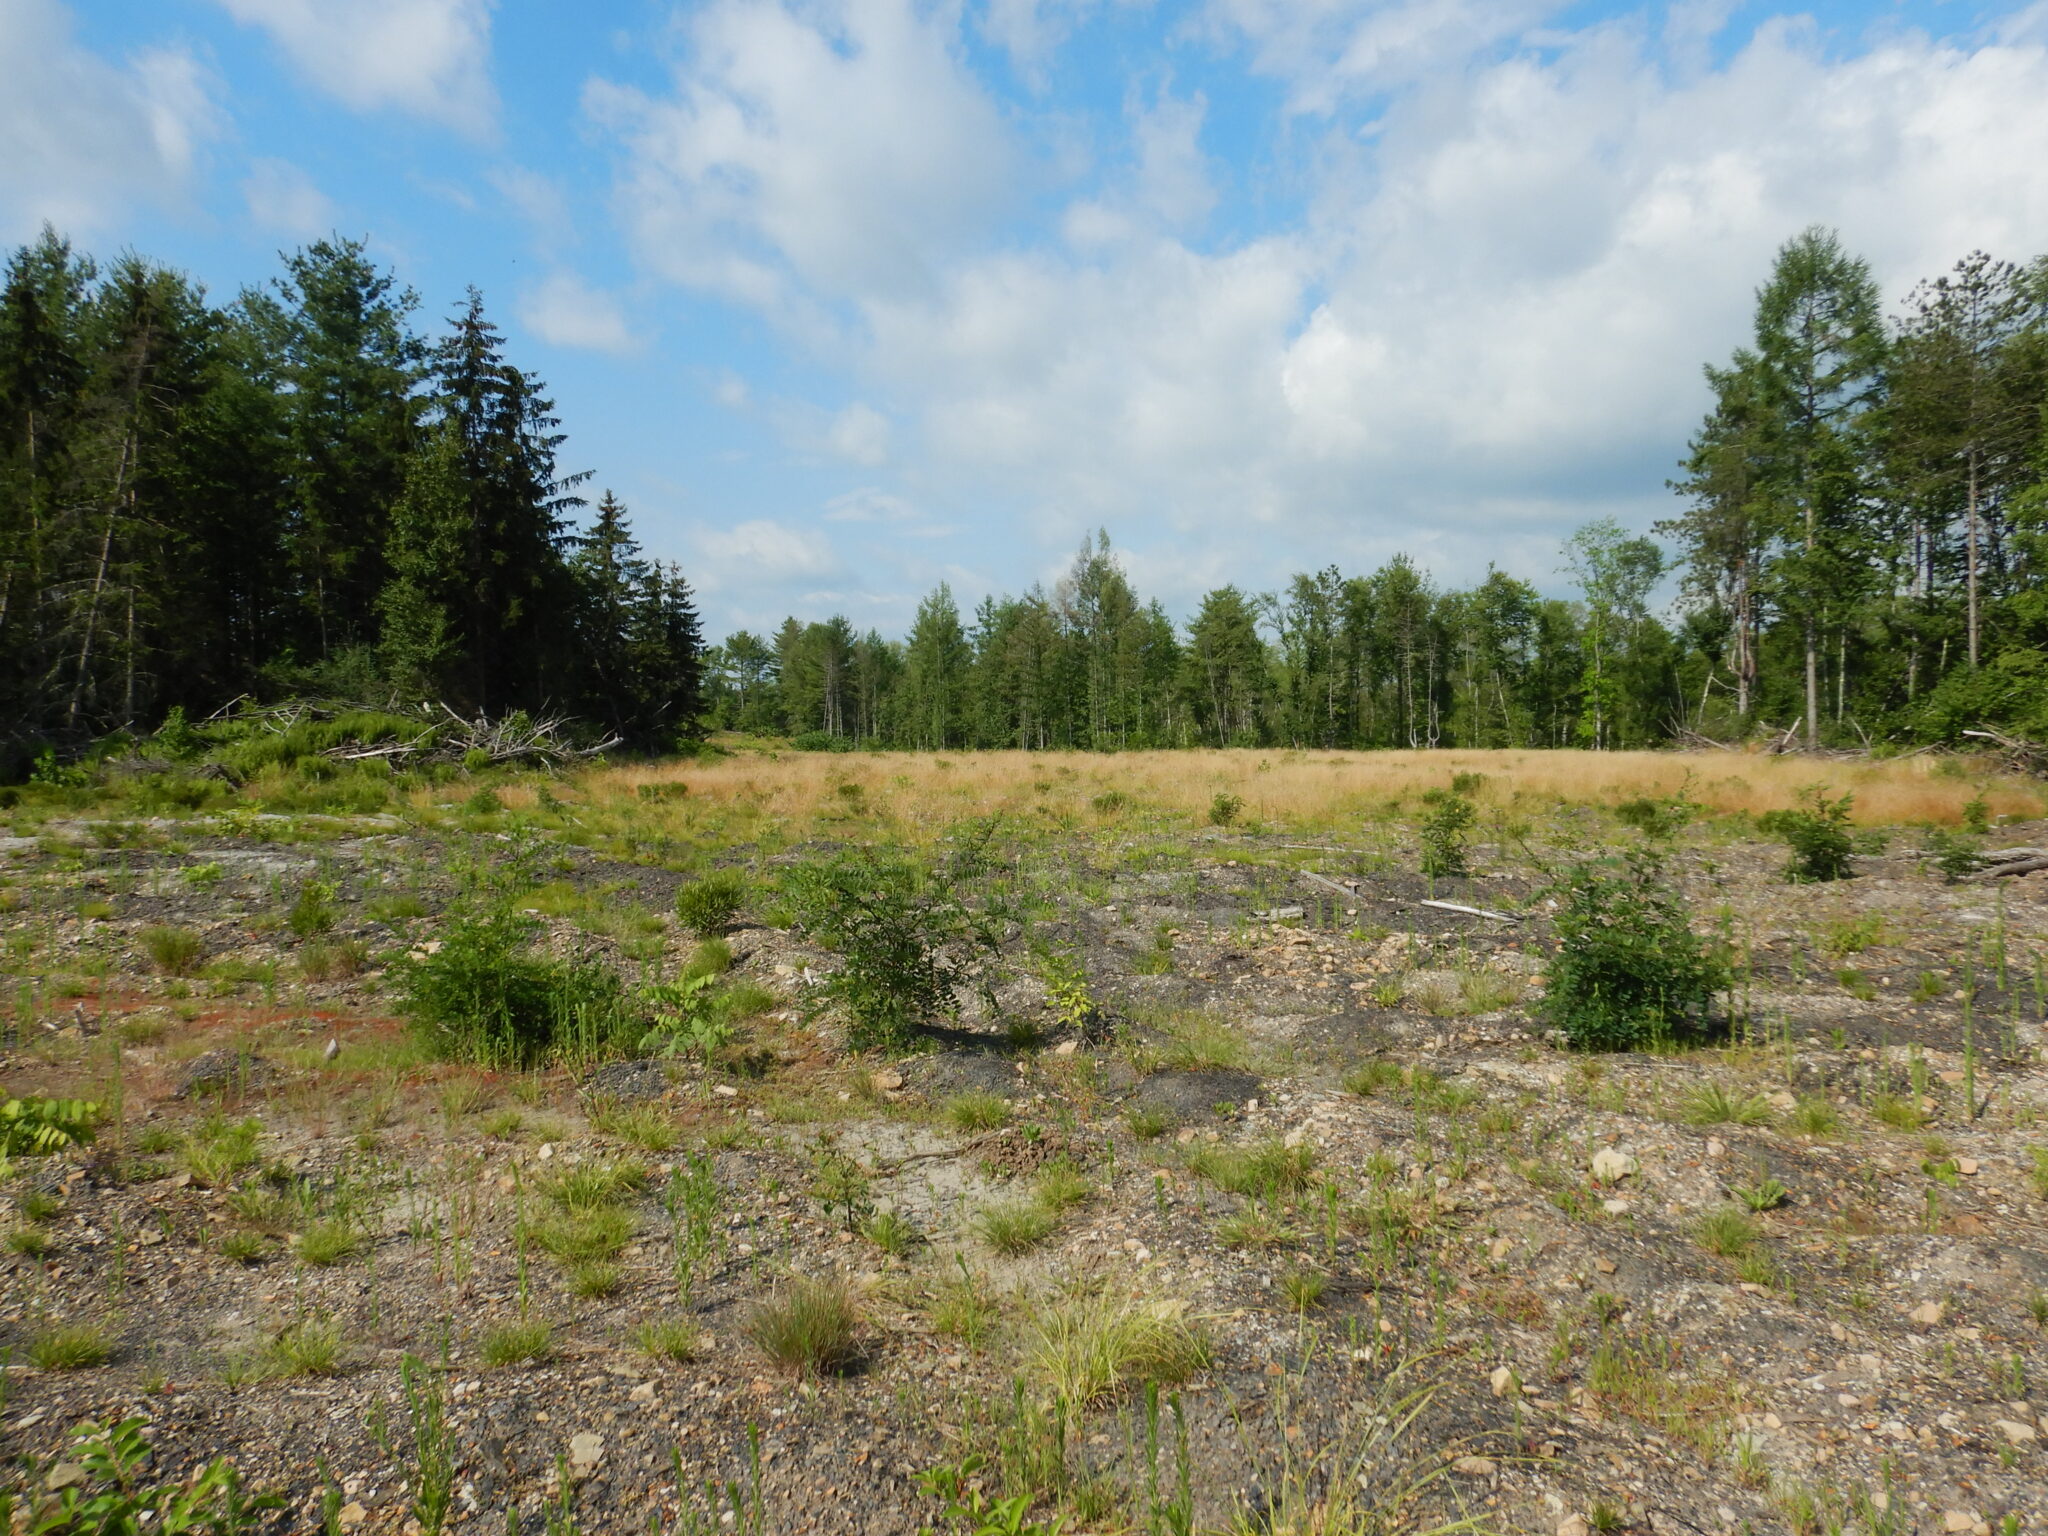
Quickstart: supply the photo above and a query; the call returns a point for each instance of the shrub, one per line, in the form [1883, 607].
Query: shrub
[1657, 818]
[174, 951]
[1629, 971]
[892, 929]
[1224, 809]
[1955, 856]
[709, 905]
[484, 996]
[312, 910]
[1818, 836]
[36, 1127]
[808, 1326]
[1445, 832]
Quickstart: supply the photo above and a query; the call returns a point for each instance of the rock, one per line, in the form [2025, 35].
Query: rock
[66, 1474]
[1281, 915]
[1611, 1165]
[585, 1451]
[888, 1080]
[1572, 1525]
[628, 1080]
[1066, 1048]
[1474, 1466]
[947, 1073]
[352, 1514]
[221, 1070]
[1501, 1380]
[1194, 1095]
[2016, 1432]
[1958, 1520]
[1928, 1314]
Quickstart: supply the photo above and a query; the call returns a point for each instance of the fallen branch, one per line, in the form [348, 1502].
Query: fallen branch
[1452, 906]
[2010, 861]
[1441, 906]
[2021, 755]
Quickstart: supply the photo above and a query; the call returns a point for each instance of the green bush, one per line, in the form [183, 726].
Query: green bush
[1954, 855]
[1817, 834]
[1445, 832]
[485, 996]
[1223, 809]
[709, 905]
[173, 951]
[1629, 971]
[36, 1127]
[893, 930]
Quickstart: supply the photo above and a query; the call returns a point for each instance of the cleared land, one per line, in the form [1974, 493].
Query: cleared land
[1247, 1191]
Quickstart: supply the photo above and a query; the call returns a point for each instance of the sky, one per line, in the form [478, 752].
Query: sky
[845, 298]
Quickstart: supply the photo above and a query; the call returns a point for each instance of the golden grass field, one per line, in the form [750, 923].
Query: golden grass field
[1287, 788]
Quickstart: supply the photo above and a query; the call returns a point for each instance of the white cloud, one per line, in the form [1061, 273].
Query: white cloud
[280, 196]
[539, 202]
[565, 311]
[83, 139]
[1485, 327]
[836, 148]
[762, 552]
[860, 434]
[430, 58]
[870, 504]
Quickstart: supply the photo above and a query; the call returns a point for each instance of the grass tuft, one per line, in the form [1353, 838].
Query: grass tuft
[808, 1326]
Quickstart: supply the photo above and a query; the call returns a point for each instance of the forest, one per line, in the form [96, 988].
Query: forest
[300, 494]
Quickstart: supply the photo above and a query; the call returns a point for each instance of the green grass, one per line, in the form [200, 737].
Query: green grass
[1304, 1289]
[517, 1343]
[582, 1236]
[1090, 1345]
[1370, 1078]
[669, 1338]
[1813, 1117]
[1148, 1124]
[70, 1347]
[1726, 1231]
[308, 1349]
[219, 1150]
[242, 1247]
[645, 1126]
[29, 1242]
[968, 1112]
[808, 1326]
[1268, 1169]
[599, 1183]
[892, 1232]
[1061, 1185]
[38, 1205]
[1901, 1114]
[1012, 1227]
[595, 1280]
[328, 1242]
[1716, 1105]
[173, 951]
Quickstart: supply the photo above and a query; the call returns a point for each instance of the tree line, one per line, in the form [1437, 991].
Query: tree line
[1858, 559]
[298, 492]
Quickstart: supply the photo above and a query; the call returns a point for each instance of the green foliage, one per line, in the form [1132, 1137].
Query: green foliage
[173, 951]
[710, 904]
[1956, 857]
[36, 1127]
[809, 1326]
[312, 910]
[1629, 971]
[900, 937]
[485, 996]
[118, 1497]
[1224, 809]
[1445, 833]
[1817, 834]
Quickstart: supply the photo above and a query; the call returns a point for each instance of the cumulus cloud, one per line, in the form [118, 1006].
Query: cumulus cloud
[762, 552]
[823, 150]
[565, 311]
[1484, 327]
[429, 58]
[280, 196]
[82, 138]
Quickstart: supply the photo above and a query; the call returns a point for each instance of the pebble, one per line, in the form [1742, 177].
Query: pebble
[1928, 1314]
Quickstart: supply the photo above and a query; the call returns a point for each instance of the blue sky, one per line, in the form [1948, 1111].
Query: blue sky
[848, 297]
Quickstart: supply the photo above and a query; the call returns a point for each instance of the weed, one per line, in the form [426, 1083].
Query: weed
[1224, 809]
[310, 1348]
[1726, 1231]
[1716, 1105]
[2038, 1175]
[518, 1342]
[641, 1125]
[1265, 1171]
[1304, 1289]
[483, 996]
[70, 1347]
[892, 1232]
[1817, 834]
[1900, 1113]
[114, 1496]
[1089, 1345]
[807, 1326]
[1766, 1194]
[312, 910]
[1813, 1117]
[968, 1112]
[37, 1127]
[582, 1236]
[962, 1308]
[668, 1338]
[173, 951]
[219, 1149]
[1012, 1227]
[709, 905]
[242, 1247]
[843, 1191]
[329, 1242]
[1445, 832]
[433, 1472]
[1629, 970]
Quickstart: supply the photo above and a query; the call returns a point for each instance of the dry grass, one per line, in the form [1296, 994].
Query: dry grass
[1280, 787]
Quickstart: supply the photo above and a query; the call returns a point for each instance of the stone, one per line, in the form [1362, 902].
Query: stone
[1958, 1520]
[1573, 1525]
[888, 1080]
[1501, 1380]
[627, 1080]
[1195, 1095]
[1928, 1314]
[353, 1514]
[220, 1070]
[2016, 1432]
[585, 1451]
[66, 1474]
[1474, 1466]
[1611, 1165]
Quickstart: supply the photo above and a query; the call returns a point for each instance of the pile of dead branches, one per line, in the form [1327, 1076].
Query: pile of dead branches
[514, 738]
[2020, 755]
[2010, 861]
